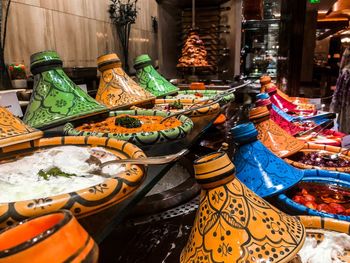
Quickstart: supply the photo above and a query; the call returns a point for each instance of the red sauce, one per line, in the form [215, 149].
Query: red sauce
[327, 198]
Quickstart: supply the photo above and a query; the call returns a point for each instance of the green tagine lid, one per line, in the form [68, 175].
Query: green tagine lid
[150, 79]
[56, 99]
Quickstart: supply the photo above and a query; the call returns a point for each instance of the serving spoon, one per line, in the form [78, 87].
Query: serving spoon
[336, 156]
[157, 160]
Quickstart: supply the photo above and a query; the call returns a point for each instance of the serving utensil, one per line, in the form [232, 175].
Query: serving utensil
[335, 156]
[328, 123]
[157, 160]
[214, 100]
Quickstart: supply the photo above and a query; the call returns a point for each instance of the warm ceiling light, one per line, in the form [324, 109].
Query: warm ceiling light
[340, 8]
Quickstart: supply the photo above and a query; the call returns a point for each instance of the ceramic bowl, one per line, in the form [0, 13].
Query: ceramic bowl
[140, 138]
[317, 176]
[86, 201]
[310, 147]
[55, 236]
[203, 95]
[159, 104]
[315, 227]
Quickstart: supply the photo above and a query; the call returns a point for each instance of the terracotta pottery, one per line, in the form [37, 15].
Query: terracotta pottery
[311, 147]
[84, 202]
[116, 88]
[263, 99]
[266, 82]
[257, 167]
[233, 224]
[159, 104]
[272, 136]
[13, 130]
[55, 237]
[55, 99]
[140, 138]
[202, 95]
[150, 79]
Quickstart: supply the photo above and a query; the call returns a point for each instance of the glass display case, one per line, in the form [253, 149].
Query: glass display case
[260, 42]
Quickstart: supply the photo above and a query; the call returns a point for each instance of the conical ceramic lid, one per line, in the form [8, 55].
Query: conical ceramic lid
[263, 99]
[56, 99]
[257, 167]
[233, 224]
[116, 88]
[150, 79]
[14, 131]
[272, 136]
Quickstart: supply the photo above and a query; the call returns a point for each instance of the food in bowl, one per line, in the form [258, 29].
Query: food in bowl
[326, 198]
[320, 158]
[130, 124]
[54, 171]
[330, 249]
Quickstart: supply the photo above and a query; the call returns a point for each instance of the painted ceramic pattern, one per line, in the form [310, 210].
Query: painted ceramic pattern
[58, 234]
[263, 172]
[211, 109]
[13, 130]
[155, 83]
[206, 93]
[277, 140]
[233, 224]
[141, 138]
[118, 89]
[83, 202]
[56, 99]
[319, 176]
[311, 147]
[289, 127]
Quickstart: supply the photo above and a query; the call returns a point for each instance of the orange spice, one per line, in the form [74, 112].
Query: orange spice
[149, 124]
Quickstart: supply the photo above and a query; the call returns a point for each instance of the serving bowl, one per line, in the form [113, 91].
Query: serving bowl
[55, 236]
[202, 95]
[210, 109]
[143, 138]
[86, 201]
[318, 148]
[325, 178]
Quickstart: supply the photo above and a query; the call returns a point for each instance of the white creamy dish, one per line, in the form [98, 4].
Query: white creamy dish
[330, 250]
[54, 171]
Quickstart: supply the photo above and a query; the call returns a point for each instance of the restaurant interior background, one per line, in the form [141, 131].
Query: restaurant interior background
[298, 43]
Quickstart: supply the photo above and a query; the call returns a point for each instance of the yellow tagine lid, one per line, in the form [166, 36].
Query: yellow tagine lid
[116, 88]
[233, 224]
[14, 131]
[273, 136]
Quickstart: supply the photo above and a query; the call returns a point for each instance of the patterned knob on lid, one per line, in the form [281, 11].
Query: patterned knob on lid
[233, 224]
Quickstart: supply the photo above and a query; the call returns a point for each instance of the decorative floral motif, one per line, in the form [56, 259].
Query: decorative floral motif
[233, 224]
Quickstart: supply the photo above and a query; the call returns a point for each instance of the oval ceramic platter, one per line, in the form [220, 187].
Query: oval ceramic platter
[315, 227]
[311, 147]
[140, 138]
[162, 104]
[84, 202]
[202, 95]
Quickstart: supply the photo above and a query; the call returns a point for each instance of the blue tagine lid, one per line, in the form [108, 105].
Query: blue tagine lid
[262, 96]
[257, 167]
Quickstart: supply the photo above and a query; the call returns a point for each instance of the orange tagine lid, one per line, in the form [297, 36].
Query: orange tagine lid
[14, 131]
[116, 88]
[233, 224]
[273, 136]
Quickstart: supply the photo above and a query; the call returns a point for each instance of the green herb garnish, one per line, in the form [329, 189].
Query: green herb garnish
[177, 105]
[128, 122]
[55, 171]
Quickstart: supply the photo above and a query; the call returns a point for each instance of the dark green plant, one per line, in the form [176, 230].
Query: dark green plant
[123, 15]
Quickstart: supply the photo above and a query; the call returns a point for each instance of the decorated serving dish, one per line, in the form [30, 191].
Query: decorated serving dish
[56, 235]
[319, 193]
[202, 95]
[63, 173]
[175, 105]
[316, 156]
[327, 240]
[141, 127]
